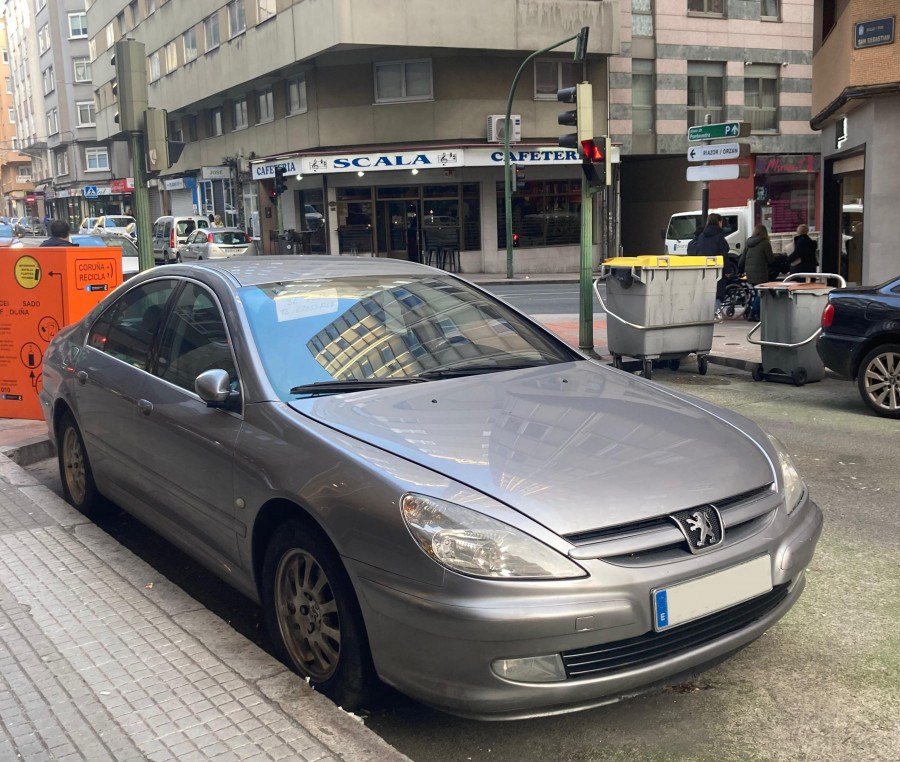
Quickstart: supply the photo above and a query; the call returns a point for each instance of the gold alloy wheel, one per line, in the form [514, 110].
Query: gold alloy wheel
[73, 459]
[307, 615]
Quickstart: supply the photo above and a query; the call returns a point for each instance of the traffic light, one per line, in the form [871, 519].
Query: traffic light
[519, 172]
[581, 117]
[162, 153]
[595, 164]
[280, 184]
[130, 85]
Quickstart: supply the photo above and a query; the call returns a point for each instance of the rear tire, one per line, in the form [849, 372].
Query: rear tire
[313, 615]
[758, 373]
[702, 365]
[798, 377]
[878, 380]
[79, 488]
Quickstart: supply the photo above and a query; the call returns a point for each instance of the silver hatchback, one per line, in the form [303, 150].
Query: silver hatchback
[216, 243]
[422, 486]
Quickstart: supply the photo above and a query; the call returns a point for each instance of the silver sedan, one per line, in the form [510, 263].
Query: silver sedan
[421, 486]
[216, 243]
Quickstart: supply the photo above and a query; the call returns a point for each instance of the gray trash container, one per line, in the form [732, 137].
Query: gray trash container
[286, 246]
[660, 308]
[790, 321]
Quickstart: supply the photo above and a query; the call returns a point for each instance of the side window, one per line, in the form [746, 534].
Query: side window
[194, 340]
[128, 328]
[202, 223]
[168, 230]
[729, 223]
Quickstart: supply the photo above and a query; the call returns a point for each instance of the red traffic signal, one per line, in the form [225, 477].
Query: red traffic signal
[593, 151]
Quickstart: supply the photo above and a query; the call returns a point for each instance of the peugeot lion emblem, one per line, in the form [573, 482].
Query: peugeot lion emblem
[702, 527]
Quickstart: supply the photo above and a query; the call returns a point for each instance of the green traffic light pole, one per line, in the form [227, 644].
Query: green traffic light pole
[580, 53]
[141, 202]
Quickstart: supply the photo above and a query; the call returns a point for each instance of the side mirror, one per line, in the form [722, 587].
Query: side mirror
[214, 388]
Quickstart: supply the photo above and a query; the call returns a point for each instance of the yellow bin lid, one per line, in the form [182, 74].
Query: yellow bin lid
[649, 260]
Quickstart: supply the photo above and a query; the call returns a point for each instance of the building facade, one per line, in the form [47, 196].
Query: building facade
[856, 105]
[383, 119]
[75, 174]
[16, 185]
[735, 60]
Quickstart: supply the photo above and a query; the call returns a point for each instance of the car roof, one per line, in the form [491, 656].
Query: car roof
[255, 271]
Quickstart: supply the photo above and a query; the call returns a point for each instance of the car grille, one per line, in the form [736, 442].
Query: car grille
[658, 540]
[622, 655]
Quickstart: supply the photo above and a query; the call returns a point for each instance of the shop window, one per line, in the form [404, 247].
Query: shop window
[761, 97]
[643, 92]
[550, 76]
[707, 7]
[545, 213]
[706, 92]
[642, 18]
[403, 81]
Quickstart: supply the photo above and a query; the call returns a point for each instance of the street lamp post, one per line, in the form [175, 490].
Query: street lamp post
[580, 53]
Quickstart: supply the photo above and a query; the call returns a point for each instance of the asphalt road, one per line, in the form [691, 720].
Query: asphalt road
[823, 684]
[546, 298]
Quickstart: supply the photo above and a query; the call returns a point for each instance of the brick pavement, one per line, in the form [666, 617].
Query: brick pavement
[101, 659]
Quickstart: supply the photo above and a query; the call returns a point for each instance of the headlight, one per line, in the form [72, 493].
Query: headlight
[793, 484]
[475, 544]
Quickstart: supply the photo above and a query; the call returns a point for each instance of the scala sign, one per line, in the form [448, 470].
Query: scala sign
[719, 131]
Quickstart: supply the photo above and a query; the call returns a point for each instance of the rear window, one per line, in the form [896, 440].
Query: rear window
[230, 238]
[118, 222]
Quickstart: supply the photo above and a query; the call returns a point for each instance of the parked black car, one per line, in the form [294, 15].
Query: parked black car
[861, 339]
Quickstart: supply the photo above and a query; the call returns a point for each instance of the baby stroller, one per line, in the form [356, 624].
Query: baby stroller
[738, 298]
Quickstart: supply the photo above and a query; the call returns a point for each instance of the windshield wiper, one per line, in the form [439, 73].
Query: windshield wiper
[473, 369]
[341, 385]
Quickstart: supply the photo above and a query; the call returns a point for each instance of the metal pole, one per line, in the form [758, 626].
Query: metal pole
[507, 193]
[705, 192]
[141, 202]
[585, 300]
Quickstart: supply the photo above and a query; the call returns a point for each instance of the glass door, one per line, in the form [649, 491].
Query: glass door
[400, 223]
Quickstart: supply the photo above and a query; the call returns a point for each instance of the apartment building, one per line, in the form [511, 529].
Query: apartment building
[735, 60]
[378, 111]
[856, 105]
[15, 168]
[74, 173]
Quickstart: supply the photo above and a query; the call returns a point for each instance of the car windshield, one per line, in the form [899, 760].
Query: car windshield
[682, 226]
[117, 222]
[368, 328]
[230, 238]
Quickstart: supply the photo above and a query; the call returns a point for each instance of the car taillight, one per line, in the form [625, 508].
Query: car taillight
[172, 239]
[828, 315]
[209, 237]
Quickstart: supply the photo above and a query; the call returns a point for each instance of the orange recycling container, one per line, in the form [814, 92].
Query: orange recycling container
[42, 290]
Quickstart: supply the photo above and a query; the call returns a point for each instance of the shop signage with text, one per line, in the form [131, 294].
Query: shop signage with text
[786, 164]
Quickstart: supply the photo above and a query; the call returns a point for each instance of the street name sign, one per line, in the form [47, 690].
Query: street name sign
[719, 131]
[717, 172]
[719, 151]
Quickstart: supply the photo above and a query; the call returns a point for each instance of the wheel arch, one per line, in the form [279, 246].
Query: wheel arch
[892, 337]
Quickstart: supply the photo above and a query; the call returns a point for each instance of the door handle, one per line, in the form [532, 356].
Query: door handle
[81, 376]
[145, 406]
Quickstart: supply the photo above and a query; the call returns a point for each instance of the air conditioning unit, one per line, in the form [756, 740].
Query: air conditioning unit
[496, 128]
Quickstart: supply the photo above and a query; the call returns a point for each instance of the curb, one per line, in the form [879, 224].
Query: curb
[733, 362]
[30, 451]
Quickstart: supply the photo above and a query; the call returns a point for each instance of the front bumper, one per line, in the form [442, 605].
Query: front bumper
[437, 645]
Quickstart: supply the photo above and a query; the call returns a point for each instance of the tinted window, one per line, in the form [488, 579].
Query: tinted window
[194, 340]
[117, 222]
[383, 327]
[230, 238]
[127, 329]
[185, 227]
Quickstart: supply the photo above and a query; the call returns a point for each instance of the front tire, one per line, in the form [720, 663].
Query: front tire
[879, 380]
[313, 615]
[79, 488]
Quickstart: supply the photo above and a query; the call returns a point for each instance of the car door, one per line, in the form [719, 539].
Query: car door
[189, 447]
[110, 372]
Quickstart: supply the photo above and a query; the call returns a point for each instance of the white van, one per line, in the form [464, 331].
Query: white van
[171, 232]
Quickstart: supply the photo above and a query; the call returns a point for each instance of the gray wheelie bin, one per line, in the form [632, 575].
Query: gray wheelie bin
[660, 308]
[790, 321]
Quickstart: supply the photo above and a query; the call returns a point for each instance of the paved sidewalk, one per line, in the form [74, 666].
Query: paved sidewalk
[103, 659]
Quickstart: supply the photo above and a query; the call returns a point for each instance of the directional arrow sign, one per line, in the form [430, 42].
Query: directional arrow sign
[720, 151]
[719, 131]
[718, 172]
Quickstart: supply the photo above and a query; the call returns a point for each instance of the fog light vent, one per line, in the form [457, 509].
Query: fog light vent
[531, 669]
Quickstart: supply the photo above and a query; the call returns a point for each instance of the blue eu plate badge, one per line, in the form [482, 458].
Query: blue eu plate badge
[662, 610]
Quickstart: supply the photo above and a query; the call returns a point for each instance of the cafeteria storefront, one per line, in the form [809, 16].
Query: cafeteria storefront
[397, 204]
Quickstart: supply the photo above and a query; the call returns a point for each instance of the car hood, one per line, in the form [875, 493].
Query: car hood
[574, 446]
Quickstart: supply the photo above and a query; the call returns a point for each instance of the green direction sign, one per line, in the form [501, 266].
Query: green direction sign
[719, 131]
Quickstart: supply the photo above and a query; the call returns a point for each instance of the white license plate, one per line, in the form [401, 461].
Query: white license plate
[698, 597]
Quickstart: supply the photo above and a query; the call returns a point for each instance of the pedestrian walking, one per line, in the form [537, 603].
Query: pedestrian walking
[803, 258]
[59, 234]
[712, 243]
[756, 263]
